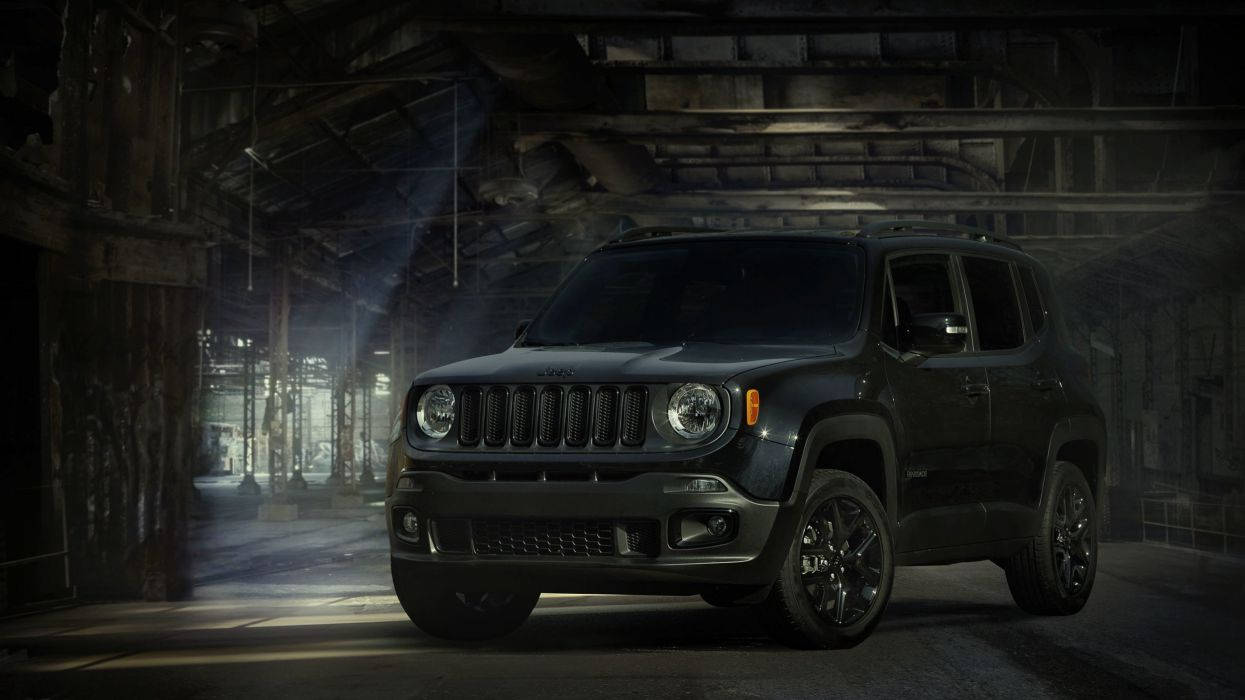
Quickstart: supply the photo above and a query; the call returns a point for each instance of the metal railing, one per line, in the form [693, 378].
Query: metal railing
[1203, 526]
[58, 503]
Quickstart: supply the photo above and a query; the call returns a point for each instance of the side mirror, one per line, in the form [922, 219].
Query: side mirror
[522, 326]
[936, 334]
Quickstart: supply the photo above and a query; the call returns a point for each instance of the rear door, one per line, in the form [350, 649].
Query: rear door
[1014, 347]
[943, 409]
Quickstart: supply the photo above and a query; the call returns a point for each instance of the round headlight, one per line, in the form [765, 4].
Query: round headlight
[435, 411]
[694, 410]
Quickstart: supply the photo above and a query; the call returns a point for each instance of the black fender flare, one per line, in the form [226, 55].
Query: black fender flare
[1080, 427]
[855, 426]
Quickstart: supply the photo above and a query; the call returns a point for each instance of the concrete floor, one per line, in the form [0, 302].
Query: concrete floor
[306, 609]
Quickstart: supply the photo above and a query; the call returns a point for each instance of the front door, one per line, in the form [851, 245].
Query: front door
[943, 407]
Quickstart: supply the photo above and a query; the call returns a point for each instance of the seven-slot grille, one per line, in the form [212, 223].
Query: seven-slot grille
[578, 416]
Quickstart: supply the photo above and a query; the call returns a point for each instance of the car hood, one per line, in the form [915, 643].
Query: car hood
[711, 363]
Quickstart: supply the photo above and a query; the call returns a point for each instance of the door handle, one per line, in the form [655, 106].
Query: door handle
[974, 389]
[1044, 383]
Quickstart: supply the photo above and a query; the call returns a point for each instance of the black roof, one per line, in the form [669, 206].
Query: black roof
[887, 235]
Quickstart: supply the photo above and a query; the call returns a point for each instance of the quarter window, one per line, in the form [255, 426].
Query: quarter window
[995, 305]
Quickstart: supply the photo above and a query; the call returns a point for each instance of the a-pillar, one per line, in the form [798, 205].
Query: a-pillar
[277, 410]
[248, 486]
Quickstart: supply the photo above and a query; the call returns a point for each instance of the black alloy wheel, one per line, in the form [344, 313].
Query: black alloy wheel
[833, 587]
[841, 560]
[1053, 573]
[1071, 540]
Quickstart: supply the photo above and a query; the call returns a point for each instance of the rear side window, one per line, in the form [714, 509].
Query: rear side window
[1033, 300]
[994, 303]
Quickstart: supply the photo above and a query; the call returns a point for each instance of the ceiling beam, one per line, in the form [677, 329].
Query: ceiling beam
[690, 162]
[839, 66]
[698, 126]
[796, 202]
[710, 17]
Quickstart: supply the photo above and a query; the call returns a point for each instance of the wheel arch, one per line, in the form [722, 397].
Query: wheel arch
[865, 438]
[1080, 440]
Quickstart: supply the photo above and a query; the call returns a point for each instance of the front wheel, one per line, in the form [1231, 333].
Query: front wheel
[470, 616]
[1054, 573]
[838, 573]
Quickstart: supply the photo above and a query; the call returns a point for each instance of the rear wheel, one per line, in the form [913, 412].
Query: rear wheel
[837, 577]
[1054, 573]
[461, 615]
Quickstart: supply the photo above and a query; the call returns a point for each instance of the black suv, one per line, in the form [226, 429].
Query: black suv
[768, 418]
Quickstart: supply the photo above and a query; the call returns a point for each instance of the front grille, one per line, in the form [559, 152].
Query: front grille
[521, 415]
[561, 538]
[552, 416]
[469, 417]
[577, 416]
[495, 416]
[633, 404]
[604, 427]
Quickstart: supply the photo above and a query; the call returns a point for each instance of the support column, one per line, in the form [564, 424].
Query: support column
[248, 486]
[348, 491]
[278, 408]
[367, 476]
[297, 482]
[336, 401]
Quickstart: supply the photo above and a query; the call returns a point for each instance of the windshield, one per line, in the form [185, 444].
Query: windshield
[775, 292]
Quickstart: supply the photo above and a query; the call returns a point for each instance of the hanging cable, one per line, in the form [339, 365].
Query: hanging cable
[250, 170]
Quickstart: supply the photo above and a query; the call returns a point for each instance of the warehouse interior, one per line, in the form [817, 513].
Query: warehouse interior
[236, 230]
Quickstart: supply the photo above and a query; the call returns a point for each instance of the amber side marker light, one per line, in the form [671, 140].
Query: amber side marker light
[754, 406]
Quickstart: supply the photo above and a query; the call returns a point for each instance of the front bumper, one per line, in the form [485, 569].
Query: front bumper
[751, 558]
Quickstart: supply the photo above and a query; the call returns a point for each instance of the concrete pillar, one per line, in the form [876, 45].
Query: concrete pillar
[297, 380]
[277, 408]
[367, 476]
[348, 488]
[248, 486]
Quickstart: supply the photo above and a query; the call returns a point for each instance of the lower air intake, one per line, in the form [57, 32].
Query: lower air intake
[554, 538]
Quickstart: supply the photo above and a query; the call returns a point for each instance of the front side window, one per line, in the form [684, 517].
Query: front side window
[995, 305]
[922, 285]
[777, 292]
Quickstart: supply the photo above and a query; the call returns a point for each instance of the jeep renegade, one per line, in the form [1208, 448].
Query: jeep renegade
[776, 419]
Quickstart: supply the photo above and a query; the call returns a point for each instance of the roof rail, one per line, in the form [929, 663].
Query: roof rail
[642, 232]
[883, 229]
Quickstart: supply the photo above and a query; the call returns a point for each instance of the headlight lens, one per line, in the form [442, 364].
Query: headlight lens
[694, 410]
[435, 411]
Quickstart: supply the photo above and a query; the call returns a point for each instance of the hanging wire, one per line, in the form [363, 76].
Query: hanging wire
[250, 170]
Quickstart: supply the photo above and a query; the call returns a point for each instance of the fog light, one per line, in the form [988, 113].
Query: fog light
[703, 528]
[410, 525]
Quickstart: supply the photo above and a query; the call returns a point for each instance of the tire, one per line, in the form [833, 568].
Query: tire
[461, 616]
[835, 599]
[1054, 573]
